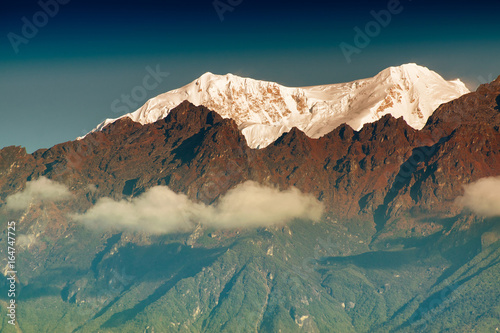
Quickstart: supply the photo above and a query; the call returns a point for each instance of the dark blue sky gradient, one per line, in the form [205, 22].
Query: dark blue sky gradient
[63, 82]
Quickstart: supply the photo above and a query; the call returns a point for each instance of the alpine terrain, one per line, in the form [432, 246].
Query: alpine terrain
[237, 205]
[265, 110]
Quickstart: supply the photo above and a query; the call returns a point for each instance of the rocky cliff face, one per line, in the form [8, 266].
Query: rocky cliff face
[382, 172]
[463, 146]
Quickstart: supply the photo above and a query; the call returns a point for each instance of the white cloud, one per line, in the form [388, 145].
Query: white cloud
[482, 197]
[160, 210]
[26, 241]
[253, 205]
[91, 188]
[42, 189]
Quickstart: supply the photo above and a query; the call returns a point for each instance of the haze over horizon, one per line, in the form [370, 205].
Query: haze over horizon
[62, 82]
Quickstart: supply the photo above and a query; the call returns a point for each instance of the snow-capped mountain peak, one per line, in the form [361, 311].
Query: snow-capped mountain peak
[264, 110]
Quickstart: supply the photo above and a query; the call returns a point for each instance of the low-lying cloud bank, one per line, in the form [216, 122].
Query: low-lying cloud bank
[42, 189]
[482, 197]
[160, 210]
[253, 205]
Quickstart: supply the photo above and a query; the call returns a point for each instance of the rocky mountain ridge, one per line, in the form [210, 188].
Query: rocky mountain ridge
[385, 169]
[265, 110]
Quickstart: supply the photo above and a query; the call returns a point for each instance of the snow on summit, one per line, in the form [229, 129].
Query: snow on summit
[264, 110]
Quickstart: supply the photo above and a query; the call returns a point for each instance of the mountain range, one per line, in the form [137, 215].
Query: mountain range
[265, 110]
[388, 177]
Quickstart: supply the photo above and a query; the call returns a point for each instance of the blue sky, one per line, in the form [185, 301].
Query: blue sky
[62, 81]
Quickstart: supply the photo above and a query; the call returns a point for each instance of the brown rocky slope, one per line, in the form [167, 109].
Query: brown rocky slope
[385, 172]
